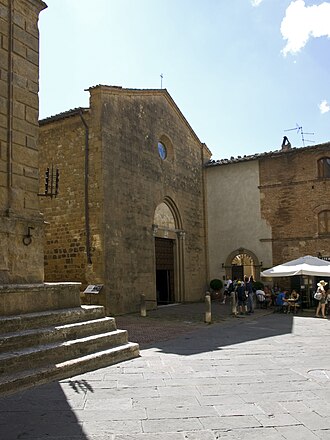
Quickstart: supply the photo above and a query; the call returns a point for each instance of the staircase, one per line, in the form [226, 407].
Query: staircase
[42, 346]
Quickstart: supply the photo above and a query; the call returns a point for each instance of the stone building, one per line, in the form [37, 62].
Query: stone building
[21, 225]
[45, 333]
[268, 208]
[130, 212]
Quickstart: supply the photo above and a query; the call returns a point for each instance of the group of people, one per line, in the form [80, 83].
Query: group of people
[286, 302]
[243, 296]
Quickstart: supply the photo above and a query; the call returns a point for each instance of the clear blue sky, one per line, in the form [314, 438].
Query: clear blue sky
[241, 71]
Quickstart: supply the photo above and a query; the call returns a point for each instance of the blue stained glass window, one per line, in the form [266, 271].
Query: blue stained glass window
[162, 150]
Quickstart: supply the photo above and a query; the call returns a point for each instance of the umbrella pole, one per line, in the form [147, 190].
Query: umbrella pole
[308, 292]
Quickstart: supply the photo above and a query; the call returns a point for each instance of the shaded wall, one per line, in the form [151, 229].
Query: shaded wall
[21, 257]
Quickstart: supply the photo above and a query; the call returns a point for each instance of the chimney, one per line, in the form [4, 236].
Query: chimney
[286, 145]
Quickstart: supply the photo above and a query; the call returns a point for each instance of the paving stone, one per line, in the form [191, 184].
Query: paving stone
[124, 404]
[250, 434]
[312, 420]
[176, 412]
[200, 435]
[323, 434]
[278, 396]
[151, 436]
[172, 425]
[276, 420]
[244, 409]
[230, 422]
[178, 391]
[220, 399]
[110, 414]
[165, 402]
[319, 406]
[131, 382]
[271, 408]
[295, 407]
[296, 433]
[111, 427]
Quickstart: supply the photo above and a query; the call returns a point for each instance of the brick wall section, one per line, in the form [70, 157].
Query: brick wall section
[127, 181]
[19, 205]
[291, 196]
[63, 146]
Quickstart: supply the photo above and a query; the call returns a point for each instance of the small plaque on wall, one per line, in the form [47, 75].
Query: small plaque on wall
[94, 289]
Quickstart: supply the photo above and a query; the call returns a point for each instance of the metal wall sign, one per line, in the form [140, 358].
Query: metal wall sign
[94, 289]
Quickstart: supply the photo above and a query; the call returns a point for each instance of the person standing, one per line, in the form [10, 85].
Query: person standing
[323, 298]
[249, 295]
[228, 289]
[233, 287]
[241, 298]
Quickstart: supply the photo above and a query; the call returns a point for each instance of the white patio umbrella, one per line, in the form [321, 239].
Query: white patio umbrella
[307, 265]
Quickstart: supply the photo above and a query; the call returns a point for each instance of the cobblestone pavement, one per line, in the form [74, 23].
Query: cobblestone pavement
[170, 321]
[265, 376]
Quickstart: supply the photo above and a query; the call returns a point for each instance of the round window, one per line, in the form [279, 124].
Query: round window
[162, 150]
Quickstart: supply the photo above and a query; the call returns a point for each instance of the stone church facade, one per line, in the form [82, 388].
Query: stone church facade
[130, 212]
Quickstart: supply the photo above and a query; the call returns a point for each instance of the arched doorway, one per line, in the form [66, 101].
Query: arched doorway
[169, 246]
[242, 262]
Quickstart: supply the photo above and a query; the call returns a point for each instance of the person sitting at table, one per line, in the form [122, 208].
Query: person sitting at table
[262, 299]
[293, 303]
[281, 301]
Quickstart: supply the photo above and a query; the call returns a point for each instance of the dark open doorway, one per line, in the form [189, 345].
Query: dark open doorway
[164, 270]
[237, 272]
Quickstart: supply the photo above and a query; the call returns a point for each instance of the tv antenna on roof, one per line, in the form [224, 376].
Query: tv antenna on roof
[300, 130]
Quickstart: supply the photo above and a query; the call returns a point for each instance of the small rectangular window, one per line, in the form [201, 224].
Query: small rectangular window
[324, 222]
[324, 167]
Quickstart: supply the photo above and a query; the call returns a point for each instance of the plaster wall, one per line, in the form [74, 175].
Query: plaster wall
[234, 215]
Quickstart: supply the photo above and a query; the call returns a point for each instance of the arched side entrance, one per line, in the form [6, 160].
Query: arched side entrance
[242, 262]
[169, 253]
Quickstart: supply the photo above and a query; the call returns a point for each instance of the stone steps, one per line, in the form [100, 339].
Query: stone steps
[31, 337]
[49, 317]
[14, 382]
[42, 346]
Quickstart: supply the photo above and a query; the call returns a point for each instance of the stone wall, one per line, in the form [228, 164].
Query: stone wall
[21, 226]
[291, 196]
[137, 181]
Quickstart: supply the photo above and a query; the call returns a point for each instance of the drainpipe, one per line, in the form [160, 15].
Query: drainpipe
[204, 186]
[87, 226]
[10, 105]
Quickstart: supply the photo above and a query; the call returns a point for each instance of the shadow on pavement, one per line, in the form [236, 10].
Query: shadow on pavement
[44, 412]
[181, 328]
[217, 336]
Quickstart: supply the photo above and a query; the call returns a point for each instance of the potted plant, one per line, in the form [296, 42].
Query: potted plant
[216, 286]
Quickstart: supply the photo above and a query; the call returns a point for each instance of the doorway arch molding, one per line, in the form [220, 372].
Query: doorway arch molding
[175, 211]
[171, 229]
[243, 251]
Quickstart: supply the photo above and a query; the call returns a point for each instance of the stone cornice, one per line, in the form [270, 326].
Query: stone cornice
[39, 5]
